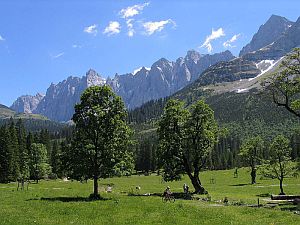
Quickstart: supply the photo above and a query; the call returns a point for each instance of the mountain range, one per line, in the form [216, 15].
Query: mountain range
[162, 79]
[273, 40]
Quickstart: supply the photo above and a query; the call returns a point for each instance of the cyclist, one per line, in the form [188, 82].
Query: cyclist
[167, 192]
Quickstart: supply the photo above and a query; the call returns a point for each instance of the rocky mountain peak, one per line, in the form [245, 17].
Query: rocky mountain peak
[163, 62]
[267, 33]
[286, 41]
[93, 78]
[144, 84]
[40, 95]
[193, 55]
[276, 18]
[27, 103]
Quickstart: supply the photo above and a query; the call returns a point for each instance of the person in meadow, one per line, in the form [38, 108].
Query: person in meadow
[167, 192]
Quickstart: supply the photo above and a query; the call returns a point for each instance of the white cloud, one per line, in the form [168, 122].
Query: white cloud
[112, 28]
[152, 27]
[131, 31]
[57, 55]
[132, 10]
[228, 43]
[91, 29]
[2, 38]
[215, 34]
[76, 46]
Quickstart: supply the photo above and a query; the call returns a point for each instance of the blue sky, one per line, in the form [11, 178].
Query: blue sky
[44, 41]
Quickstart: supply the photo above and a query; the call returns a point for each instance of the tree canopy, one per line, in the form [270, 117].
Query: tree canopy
[284, 85]
[185, 140]
[280, 164]
[251, 153]
[102, 135]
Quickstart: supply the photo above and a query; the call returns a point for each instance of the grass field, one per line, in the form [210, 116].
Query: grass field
[59, 202]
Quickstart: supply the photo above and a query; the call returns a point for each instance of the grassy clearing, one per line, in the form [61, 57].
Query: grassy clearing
[58, 202]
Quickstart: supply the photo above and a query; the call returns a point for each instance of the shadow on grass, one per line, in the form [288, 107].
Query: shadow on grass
[239, 185]
[289, 208]
[70, 199]
[264, 195]
[177, 195]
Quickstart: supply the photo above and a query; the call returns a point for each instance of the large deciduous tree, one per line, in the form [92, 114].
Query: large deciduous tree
[185, 140]
[200, 137]
[251, 153]
[280, 164]
[284, 85]
[102, 135]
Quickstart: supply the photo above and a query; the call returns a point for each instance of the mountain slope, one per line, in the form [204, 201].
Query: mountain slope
[284, 44]
[162, 79]
[6, 113]
[267, 33]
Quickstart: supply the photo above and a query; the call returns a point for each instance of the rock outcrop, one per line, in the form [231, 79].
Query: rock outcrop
[277, 49]
[267, 33]
[60, 99]
[27, 103]
[163, 78]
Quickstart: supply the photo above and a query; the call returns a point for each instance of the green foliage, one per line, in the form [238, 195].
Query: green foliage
[171, 139]
[284, 86]
[200, 132]
[36, 125]
[39, 167]
[186, 140]
[14, 157]
[102, 133]
[23, 151]
[252, 154]
[280, 164]
[55, 159]
[125, 165]
[146, 157]
[16, 151]
[4, 155]
[251, 151]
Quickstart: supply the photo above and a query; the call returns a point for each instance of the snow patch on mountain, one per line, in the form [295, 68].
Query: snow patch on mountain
[264, 66]
[242, 90]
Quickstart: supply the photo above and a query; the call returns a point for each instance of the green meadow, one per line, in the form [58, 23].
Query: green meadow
[66, 202]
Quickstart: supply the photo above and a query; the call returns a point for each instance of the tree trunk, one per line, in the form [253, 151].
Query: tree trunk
[96, 191]
[199, 189]
[253, 175]
[281, 187]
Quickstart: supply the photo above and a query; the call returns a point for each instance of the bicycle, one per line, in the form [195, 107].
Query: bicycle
[168, 197]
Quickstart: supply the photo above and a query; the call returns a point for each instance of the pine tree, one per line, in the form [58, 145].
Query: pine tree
[14, 167]
[4, 155]
[23, 151]
[44, 138]
[55, 160]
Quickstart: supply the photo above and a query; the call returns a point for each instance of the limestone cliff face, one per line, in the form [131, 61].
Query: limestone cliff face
[233, 70]
[27, 103]
[267, 33]
[280, 47]
[162, 79]
[58, 103]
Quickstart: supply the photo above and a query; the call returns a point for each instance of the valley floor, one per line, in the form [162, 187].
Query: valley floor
[66, 202]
